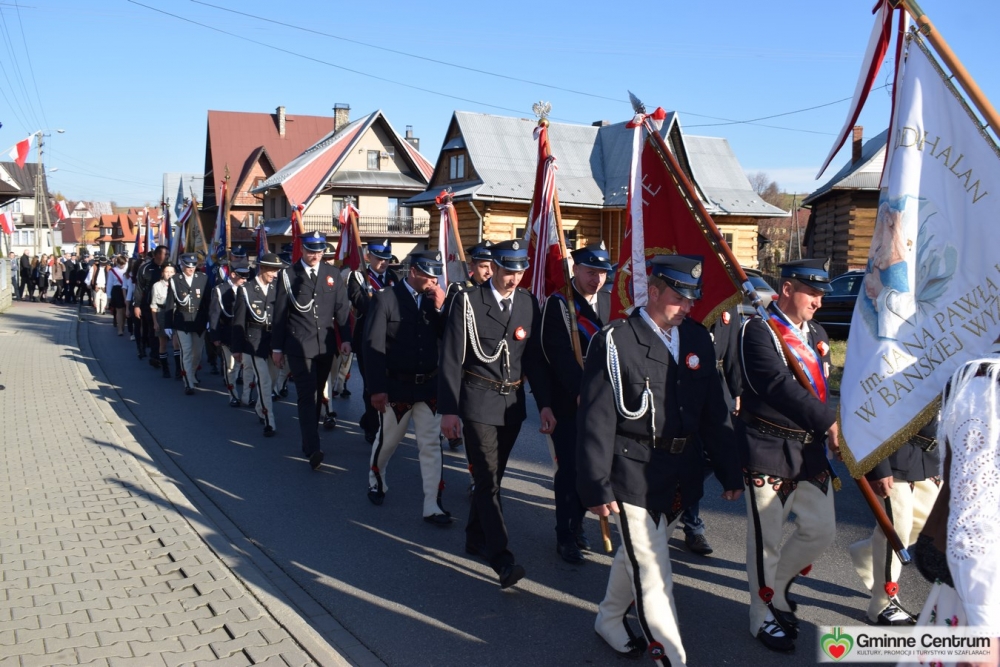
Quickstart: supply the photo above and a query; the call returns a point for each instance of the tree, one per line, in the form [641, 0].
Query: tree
[767, 189]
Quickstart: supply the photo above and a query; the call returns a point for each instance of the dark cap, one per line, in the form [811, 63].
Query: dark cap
[241, 267]
[480, 252]
[285, 256]
[595, 255]
[270, 261]
[813, 272]
[428, 261]
[330, 252]
[189, 260]
[681, 272]
[510, 255]
[314, 242]
[381, 249]
[238, 251]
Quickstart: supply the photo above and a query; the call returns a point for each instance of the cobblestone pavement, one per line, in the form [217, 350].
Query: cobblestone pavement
[99, 566]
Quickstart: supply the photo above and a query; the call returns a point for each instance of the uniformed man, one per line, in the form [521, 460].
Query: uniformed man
[280, 388]
[220, 325]
[147, 275]
[311, 302]
[784, 431]
[188, 299]
[491, 342]
[725, 333]
[651, 404]
[592, 310]
[329, 414]
[405, 324]
[253, 318]
[908, 481]
[361, 289]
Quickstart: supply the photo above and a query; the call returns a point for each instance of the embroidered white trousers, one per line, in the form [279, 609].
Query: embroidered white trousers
[427, 429]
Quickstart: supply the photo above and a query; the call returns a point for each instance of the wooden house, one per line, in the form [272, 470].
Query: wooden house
[842, 220]
[489, 163]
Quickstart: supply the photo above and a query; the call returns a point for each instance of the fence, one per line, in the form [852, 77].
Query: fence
[370, 225]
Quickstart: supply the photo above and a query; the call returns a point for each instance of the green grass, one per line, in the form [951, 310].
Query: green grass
[838, 350]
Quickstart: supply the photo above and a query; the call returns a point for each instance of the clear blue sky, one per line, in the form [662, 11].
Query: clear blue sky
[131, 86]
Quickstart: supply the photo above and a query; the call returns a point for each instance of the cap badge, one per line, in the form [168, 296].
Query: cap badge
[603, 246]
[520, 333]
[692, 361]
[696, 271]
[515, 245]
[826, 265]
[437, 257]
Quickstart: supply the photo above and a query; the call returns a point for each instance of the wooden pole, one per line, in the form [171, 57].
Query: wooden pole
[352, 214]
[708, 226]
[225, 213]
[942, 48]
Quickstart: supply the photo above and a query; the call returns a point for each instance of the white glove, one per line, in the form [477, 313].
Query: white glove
[169, 332]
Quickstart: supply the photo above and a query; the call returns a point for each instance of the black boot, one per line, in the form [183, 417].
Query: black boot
[164, 366]
[177, 365]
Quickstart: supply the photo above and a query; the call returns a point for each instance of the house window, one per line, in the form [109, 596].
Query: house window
[373, 161]
[456, 167]
[569, 238]
[729, 239]
[16, 208]
[393, 210]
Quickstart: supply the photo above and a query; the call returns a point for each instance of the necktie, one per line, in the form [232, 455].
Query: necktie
[312, 275]
[505, 309]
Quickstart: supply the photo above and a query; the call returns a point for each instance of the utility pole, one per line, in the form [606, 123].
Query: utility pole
[41, 201]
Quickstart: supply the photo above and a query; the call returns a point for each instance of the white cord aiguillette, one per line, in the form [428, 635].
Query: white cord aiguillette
[614, 372]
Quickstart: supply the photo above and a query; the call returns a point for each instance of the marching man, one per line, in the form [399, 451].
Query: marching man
[220, 324]
[188, 300]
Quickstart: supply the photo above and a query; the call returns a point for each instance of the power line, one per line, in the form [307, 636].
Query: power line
[17, 70]
[23, 117]
[109, 178]
[31, 68]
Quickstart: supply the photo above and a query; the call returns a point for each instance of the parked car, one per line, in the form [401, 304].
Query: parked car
[838, 305]
[764, 291]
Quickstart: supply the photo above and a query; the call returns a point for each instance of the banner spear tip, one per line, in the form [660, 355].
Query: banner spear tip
[637, 105]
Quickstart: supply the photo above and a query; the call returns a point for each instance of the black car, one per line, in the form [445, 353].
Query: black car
[764, 291]
[838, 305]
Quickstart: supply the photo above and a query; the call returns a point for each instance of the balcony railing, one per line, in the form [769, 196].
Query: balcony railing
[370, 225]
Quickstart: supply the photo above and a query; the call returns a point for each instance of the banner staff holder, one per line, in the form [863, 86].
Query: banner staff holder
[736, 271]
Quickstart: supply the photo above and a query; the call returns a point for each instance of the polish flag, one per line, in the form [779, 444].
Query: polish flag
[62, 211]
[19, 153]
[6, 224]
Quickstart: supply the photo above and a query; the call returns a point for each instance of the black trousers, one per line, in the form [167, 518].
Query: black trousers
[309, 375]
[488, 449]
[146, 336]
[569, 510]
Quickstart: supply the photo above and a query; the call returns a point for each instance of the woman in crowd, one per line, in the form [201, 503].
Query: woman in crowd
[161, 318]
[57, 274]
[120, 290]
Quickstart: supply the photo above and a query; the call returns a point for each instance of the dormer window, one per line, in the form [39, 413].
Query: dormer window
[373, 161]
[456, 167]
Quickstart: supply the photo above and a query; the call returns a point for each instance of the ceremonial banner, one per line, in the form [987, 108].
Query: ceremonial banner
[137, 250]
[929, 302]
[447, 243]
[297, 231]
[177, 245]
[219, 234]
[545, 272]
[348, 251]
[6, 224]
[260, 235]
[660, 222]
[163, 236]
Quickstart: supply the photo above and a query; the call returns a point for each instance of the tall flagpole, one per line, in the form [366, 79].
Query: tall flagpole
[225, 213]
[971, 88]
[731, 263]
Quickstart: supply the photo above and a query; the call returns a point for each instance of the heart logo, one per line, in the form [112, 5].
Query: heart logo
[837, 644]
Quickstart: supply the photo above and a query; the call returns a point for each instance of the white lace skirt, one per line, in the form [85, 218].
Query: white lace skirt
[943, 608]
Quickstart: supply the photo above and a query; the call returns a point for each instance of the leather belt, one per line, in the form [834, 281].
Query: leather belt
[503, 388]
[926, 444]
[259, 327]
[415, 378]
[778, 431]
[672, 445]
[718, 363]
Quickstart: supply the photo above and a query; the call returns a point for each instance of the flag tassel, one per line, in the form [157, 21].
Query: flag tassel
[711, 231]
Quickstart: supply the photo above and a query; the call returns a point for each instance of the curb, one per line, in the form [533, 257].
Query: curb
[316, 631]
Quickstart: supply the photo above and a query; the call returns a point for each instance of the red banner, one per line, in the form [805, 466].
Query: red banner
[545, 272]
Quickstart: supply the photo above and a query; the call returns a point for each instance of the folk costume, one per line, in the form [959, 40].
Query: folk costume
[402, 348]
[782, 433]
[311, 302]
[252, 331]
[188, 301]
[651, 402]
[565, 374]
[914, 469]
[490, 343]
[98, 282]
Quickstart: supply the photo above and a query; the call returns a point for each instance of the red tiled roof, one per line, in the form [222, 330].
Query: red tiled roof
[234, 135]
[72, 230]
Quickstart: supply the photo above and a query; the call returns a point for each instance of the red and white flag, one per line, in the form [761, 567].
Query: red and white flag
[447, 243]
[545, 272]
[297, 231]
[6, 223]
[347, 248]
[62, 211]
[19, 153]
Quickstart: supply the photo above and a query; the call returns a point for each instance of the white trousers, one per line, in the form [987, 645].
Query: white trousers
[873, 559]
[264, 373]
[341, 371]
[229, 371]
[815, 527]
[100, 301]
[644, 557]
[191, 346]
[427, 429]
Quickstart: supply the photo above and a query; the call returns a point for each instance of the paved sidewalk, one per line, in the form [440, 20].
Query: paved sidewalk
[99, 564]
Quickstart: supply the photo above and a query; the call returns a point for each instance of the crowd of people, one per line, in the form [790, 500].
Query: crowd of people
[637, 409]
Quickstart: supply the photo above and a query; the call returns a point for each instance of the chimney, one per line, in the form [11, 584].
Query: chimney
[341, 116]
[410, 139]
[280, 111]
[856, 144]
[601, 123]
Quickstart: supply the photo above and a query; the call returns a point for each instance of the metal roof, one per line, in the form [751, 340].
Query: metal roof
[376, 179]
[23, 178]
[593, 164]
[865, 174]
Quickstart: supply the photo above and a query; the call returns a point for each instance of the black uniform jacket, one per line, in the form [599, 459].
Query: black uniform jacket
[147, 275]
[402, 346]
[220, 313]
[456, 395]
[565, 373]
[189, 303]
[611, 463]
[253, 303]
[361, 294]
[726, 336]
[311, 333]
[911, 462]
[771, 393]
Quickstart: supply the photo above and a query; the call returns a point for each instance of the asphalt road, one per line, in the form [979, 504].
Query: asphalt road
[406, 589]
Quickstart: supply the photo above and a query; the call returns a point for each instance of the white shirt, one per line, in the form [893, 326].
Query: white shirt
[591, 300]
[500, 297]
[188, 279]
[313, 269]
[414, 293]
[671, 337]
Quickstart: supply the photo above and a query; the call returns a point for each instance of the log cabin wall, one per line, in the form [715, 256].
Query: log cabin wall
[843, 226]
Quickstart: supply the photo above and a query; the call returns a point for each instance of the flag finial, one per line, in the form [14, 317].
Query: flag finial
[637, 105]
[542, 111]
